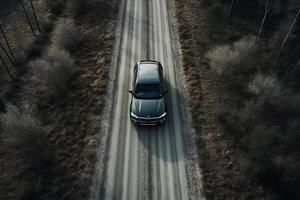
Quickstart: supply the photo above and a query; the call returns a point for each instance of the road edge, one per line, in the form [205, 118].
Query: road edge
[103, 138]
[192, 166]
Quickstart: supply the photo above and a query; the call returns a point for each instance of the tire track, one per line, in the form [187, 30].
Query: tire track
[117, 144]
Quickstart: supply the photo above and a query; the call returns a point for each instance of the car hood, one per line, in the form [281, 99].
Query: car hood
[148, 107]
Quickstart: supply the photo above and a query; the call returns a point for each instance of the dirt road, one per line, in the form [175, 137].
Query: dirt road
[146, 162]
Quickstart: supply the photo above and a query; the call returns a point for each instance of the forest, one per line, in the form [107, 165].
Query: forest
[257, 56]
[242, 61]
[51, 94]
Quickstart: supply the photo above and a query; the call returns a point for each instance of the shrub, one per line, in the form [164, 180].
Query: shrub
[75, 7]
[235, 63]
[66, 35]
[233, 59]
[269, 90]
[56, 6]
[266, 128]
[272, 155]
[54, 70]
[217, 23]
[266, 86]
[20, 128]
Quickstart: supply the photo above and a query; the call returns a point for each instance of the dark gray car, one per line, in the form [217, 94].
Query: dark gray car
[148, 103]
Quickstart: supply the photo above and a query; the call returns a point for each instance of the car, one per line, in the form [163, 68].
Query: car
[148, 101]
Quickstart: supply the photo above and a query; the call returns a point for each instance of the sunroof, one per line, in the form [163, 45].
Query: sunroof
[148, 73]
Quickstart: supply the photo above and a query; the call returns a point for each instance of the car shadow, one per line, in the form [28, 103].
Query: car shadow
[160, 141]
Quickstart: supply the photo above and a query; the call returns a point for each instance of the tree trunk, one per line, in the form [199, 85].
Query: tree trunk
[6, 41]
[267, 10]
[35, 17]
[290, 30]
[231, 8]
[6, 68]
[7, 55]
[26, 14]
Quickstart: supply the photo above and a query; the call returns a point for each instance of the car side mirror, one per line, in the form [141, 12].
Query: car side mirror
[130, 91]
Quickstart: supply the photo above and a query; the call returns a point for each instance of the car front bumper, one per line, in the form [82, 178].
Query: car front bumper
[148, 121]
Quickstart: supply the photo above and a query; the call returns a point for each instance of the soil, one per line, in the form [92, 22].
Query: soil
[72, 120]
[220, 163]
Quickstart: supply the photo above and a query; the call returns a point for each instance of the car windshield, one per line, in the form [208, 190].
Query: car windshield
[147, 91]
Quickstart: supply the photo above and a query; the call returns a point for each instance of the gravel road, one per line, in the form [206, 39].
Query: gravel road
[138, 163]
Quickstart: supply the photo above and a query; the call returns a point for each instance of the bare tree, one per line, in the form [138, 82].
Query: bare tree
[26, 14]
[6, 68]
[290, 30]
[267, 10]
[35, 17]
[6, 41]
[7, 55]
[52, 3]
[231, 8]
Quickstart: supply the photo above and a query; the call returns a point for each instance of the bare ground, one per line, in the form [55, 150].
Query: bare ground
[72, 120]
[222, 175]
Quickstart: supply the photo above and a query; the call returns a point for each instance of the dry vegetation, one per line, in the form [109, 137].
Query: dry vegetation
[21, 129]
[66, 35]
[55, 69]
[23, 48]
[47, 147]
[247, 94]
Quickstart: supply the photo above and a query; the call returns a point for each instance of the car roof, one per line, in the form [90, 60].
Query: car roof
[148, 73]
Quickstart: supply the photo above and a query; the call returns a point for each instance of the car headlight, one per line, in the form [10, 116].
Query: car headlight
[133, 115]
[163, 115]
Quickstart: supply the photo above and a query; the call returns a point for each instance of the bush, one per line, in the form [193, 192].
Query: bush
[75, 7]
[54, 71]
[235, 63]
[262, 117]
[66, 35]
[56, 6]
[266, 127]
[273, 155]
[266, 86]
[20, 128]
[217, 23]
[233, 59]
